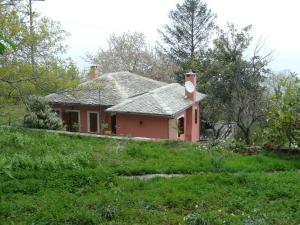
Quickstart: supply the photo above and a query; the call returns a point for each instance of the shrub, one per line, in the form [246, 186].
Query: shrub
[40, 115]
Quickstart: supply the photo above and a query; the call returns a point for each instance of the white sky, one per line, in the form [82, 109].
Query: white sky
[91, 21]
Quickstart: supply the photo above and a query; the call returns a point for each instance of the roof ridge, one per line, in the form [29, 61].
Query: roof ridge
[143, 77]
[163, 87]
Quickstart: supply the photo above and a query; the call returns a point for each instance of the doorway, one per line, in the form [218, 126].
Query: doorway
[93, 122]
[71, 121]
[114, 124]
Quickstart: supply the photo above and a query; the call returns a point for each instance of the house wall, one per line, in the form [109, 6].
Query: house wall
[104, 116]
[173, 129]
[142, 126]
[191, 129]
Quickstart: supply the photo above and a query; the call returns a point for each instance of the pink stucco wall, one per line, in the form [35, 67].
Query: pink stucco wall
[191, 129]
[142, 126]
[173, 127]
[104, 116]
[192, 124]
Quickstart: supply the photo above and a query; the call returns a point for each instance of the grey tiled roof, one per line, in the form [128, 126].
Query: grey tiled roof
[114, 89]
[167, 100]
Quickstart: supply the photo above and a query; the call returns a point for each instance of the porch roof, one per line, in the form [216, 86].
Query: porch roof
[165, 101]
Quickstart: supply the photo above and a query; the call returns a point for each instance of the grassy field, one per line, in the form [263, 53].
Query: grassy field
[54, 179]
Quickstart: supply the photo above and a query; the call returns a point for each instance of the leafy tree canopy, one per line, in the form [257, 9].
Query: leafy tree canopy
[129, 52]
[283, 112]
[44, 41]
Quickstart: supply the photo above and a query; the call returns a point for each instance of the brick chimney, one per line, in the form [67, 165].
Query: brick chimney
[190, 78]
[93, 72]
[192, 113]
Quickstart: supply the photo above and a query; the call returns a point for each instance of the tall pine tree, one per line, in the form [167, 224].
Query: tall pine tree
[189, 31]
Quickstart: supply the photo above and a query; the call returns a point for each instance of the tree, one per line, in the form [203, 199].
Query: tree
[5, 44]
[233, 81]
[18, 76]
[129, 52]
[283, 112]
[188, 34]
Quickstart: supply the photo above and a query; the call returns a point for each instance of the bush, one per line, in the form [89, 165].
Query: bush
[40, 115]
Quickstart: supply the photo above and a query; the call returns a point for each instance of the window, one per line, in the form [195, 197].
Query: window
[196, 115]
[180, 123]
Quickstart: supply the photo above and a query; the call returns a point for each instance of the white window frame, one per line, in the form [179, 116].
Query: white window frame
[98, 121]
[79, 122]
[58, 109]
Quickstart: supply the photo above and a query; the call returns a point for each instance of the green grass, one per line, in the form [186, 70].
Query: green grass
[60, 179]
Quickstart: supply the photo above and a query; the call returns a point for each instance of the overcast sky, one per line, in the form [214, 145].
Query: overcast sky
[91, 21]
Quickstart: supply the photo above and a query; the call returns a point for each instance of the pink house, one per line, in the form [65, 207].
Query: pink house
[126, 104]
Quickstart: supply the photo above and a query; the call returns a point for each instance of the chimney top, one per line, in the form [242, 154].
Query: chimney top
[93, 72]
[190, 73]
[190, 85]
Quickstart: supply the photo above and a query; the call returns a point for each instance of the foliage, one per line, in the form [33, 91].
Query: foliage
[5, 44]
[40, 115]
[60, 179]
[12, 114]
[129, 52]
[233, 82]
[283, 113]
[36, 66]
[191, 25]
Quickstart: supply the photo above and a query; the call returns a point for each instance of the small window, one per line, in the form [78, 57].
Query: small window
[196, 115]
[180, 126]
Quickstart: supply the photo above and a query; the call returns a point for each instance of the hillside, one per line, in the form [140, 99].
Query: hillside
[55, 179]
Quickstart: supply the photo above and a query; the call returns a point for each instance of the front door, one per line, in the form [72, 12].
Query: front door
[73, 123]
[93, 122]
[113, 124]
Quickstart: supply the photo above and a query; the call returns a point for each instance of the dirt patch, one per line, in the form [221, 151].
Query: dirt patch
[151, 176]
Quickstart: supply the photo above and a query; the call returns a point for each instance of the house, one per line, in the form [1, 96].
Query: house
[126, 104]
